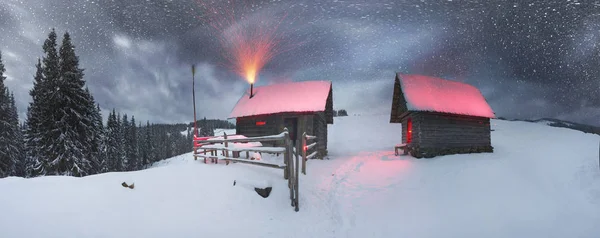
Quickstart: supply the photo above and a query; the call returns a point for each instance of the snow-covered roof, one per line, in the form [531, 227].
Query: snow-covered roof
[305, 96]
[425, 93]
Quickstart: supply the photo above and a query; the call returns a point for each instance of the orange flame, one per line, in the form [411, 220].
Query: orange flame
[249, 43]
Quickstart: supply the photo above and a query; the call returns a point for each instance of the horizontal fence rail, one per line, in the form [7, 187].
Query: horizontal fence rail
[214, 145]
[306, 148]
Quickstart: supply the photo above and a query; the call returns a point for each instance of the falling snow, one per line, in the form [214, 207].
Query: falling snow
[518, 53]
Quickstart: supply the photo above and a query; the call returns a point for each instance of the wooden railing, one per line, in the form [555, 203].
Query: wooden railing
[290, 169]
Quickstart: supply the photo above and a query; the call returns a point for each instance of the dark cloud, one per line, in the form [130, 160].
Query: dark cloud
[533, 59]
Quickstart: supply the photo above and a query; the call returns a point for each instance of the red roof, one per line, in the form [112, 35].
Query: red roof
[424, 93]
[305, 96]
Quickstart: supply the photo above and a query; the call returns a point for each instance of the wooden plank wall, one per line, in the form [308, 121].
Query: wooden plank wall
[274, 125]
[415, 124]
[437, 130]
[398, 103]
[305, 124]
[320, 127]
[247, 126]
[329, 106]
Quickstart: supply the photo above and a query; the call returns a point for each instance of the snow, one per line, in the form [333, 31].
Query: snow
[235, 144]
[217, 132]
[541, 181]
[220, 131]
[424, 93]
[306, 96]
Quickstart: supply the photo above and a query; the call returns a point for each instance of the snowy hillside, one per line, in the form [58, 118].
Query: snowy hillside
[541, 181]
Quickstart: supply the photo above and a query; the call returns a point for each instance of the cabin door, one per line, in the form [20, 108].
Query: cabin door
[292, 125]
[408, 131]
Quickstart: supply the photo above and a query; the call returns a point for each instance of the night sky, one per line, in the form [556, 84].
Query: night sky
[531, 59]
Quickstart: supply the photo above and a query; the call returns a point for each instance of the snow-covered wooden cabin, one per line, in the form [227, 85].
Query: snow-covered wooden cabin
[440, 116]
[299, 106]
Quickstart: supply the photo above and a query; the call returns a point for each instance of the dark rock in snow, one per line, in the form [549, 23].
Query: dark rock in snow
[263, 192]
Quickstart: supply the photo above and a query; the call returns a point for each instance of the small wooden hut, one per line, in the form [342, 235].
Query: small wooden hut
[440, 117]
[299, 106]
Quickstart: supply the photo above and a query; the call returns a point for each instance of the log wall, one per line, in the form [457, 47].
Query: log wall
[320, 131]
[439, 134]
[312, 123]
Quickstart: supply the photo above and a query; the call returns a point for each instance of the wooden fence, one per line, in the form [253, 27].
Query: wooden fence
[290, 167]
[306, 148]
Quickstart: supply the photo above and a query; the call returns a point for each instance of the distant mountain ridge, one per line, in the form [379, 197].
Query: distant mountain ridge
[561, 123]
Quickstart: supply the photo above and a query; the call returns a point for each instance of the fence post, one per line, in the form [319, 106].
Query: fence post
[286, 140]
[225, 151]
[304, 153]
[296, 178]
[290, 169]
[195, 151]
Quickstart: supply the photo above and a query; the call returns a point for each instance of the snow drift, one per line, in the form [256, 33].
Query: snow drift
[541, 181]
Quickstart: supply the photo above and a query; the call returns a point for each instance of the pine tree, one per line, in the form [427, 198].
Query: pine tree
[16, 143]
[48, 109]
[45, 113]
[112, 143]
[154, 142]
[132, 150]
[123, 128]
[36, 164]
[206, 130]
[168, 144]
[147, 145]
[101, 157]
[26, 164]
[96, 136]
[6, 157]
[66, 139]
[140, 146]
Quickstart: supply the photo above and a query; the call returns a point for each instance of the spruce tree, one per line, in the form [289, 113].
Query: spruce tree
[101, 157]
[140, 145]
[96, 136]
[132, 149]
[26, 161]
[36, 164]
[66, 136]
[168, 144]
[123, 138]
[48, 108]
[44, 112]
[18, 158]
[147, 145]
[6, 157]
[112, 143]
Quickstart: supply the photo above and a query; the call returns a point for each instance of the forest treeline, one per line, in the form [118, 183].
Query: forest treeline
[63, 132]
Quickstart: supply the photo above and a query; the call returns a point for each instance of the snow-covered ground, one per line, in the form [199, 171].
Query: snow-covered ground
[541, 181]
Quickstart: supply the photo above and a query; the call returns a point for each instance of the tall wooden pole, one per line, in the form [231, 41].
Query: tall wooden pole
[194, 98]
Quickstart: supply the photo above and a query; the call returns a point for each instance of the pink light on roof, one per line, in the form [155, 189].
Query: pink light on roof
[424, 93]
[306, 96]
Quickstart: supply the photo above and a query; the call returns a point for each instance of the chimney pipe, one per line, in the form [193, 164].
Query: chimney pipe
[251, 90]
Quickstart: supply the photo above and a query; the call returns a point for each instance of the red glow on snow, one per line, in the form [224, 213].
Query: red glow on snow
[261, 123]
[424, 93]
[249, 43]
